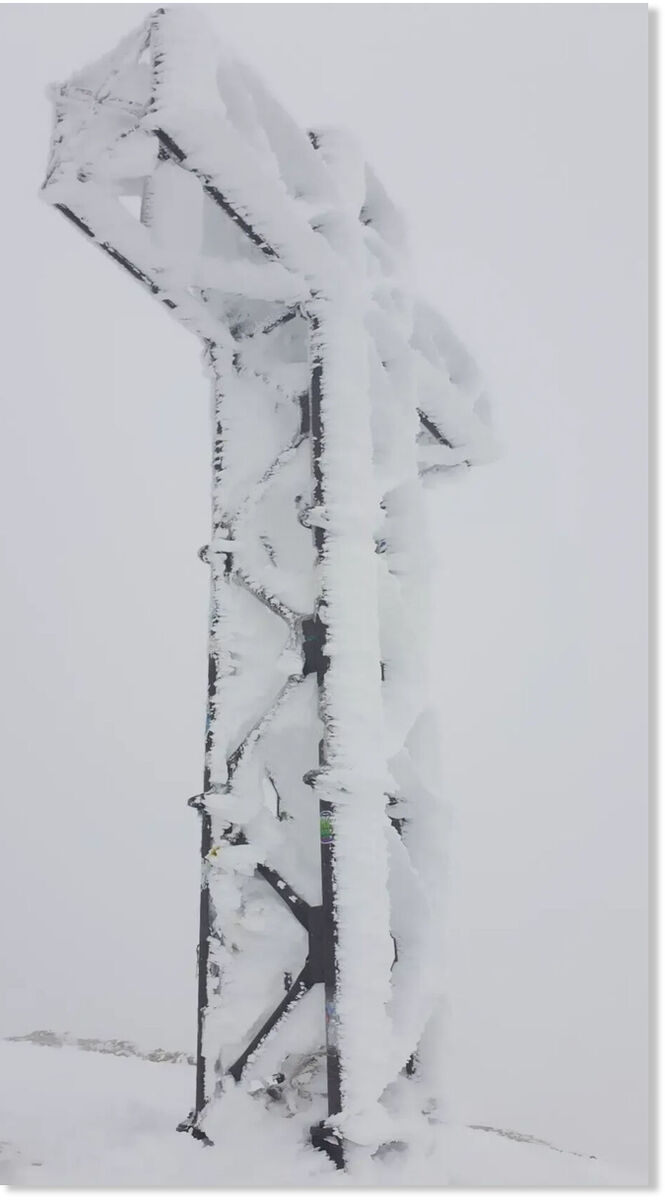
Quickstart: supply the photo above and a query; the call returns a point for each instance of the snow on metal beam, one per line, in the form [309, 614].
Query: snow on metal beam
[334, 393]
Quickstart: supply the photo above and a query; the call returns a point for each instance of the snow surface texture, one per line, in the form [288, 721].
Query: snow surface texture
[336, 395]
[74, 1119]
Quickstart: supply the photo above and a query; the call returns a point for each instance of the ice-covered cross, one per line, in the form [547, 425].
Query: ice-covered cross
[335, 395]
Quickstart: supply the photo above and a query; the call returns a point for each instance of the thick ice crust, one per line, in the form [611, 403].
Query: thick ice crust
[282, 252]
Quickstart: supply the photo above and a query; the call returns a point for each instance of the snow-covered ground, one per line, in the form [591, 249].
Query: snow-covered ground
[107, 1119]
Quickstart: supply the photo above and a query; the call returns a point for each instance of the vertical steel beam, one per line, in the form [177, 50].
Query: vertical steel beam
[322, 1136]
[218, 570]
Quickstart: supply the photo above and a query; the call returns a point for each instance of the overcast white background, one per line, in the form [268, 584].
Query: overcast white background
[515, 139]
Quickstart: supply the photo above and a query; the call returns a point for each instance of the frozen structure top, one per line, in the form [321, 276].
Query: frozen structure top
[334, 396]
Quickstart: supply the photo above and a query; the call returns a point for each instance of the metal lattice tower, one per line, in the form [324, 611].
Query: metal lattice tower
[335, 396]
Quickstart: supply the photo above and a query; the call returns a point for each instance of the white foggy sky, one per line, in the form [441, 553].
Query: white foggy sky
[514, 136]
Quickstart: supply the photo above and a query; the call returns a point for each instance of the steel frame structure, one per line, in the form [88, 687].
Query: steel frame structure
[110, 129]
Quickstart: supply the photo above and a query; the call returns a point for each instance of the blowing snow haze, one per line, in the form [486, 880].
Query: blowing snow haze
[534, 248]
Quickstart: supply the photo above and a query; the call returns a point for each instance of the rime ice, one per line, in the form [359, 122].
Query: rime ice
[335, 394]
